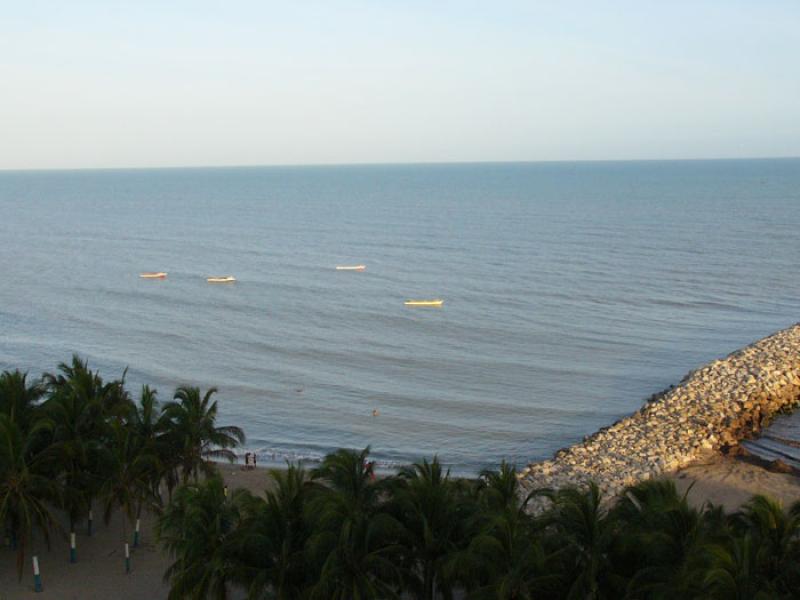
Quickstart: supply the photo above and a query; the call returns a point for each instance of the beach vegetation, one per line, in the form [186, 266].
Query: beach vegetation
[341, 531]
[193, 435]
[71, 440]
[197, 528]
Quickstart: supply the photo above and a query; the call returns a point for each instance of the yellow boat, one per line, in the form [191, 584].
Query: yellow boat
[221, 279]
[153, 275]
[351, 268]
[423, 302]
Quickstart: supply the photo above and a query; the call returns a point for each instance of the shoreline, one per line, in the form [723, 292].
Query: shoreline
[705, 416]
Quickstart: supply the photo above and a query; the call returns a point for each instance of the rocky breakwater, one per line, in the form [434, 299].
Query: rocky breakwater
[710, 410]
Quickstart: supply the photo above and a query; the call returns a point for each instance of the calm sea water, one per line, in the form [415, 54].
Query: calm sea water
[572, 291]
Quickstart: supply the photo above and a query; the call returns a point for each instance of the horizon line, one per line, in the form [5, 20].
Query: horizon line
[398, 164]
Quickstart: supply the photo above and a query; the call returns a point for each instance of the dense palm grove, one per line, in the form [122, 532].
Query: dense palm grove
[70, 442]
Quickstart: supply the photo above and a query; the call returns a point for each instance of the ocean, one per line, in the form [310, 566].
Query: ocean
[572, 291]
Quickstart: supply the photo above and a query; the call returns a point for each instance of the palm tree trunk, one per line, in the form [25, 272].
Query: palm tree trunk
[428, 582]
[124, 526]
[72, 520]
[21, 554]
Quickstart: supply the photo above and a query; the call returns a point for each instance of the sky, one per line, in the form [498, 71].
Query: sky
[200, 83]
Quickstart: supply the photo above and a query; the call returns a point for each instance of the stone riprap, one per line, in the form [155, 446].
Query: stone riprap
[710, 410]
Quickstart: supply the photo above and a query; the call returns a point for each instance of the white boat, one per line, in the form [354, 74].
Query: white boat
[351, 267]
[221, 279]
[153, 275]
[423, 302]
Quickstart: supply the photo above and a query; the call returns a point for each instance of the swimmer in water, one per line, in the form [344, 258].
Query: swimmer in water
[375, 412]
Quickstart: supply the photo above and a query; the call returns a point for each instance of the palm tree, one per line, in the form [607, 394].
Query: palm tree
[508, 560]
[197, 529]
[776, 538]
[661, 539]
[792, 575]
[505, 558]
[584, 534]
[144, 418]
[354, 541]
[271, 539]
[128, 468]
[500, 489]
[151, 430]
[194, 436]
[433, 511]
[18, 398]
[733, 573]
[27, 490]
[80, 406]
[81, 381]
[76, 422]
[116, 400]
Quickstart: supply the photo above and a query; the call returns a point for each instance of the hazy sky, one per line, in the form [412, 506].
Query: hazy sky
[105, 84]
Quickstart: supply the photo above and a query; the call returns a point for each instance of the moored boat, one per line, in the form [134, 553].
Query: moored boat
[423, 302]
[153, 275]
[351, 267]
[221, 279]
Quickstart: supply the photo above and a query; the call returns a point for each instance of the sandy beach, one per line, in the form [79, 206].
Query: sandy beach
[730, 482]
[100, 574]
